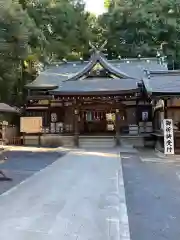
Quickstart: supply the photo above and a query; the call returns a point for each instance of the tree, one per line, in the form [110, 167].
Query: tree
[64, 25]
[37, 32]
[141, 26]
[14, 34]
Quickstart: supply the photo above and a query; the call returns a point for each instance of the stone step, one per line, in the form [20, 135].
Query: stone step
[96, 142]
[96, 147]
[132, 142]
[96, 138]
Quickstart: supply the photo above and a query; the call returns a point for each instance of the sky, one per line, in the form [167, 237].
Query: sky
[95, 6]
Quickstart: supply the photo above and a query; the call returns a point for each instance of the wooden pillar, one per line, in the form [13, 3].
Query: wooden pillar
[117, 127]
[28, 92]
[137, 118]
[153, 105]
[39, 139]
[76, 127]
[165, 109]
[24, 136]
[49, 116]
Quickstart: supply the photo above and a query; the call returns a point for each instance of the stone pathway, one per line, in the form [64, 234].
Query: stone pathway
[80, 196]
[20, 165]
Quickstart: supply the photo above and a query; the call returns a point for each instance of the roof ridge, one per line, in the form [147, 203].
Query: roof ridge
[96, 57]
[113, 69]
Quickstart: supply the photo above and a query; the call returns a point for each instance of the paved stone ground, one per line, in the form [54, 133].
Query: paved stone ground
[153, 197]
[80, 196]
[149, 155]
[21, 165]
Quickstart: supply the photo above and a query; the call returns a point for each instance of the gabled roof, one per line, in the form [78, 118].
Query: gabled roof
[72, 77]
[97, 57]
[163, 83]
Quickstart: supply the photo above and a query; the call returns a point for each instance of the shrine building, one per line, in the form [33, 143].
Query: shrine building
[122, 101]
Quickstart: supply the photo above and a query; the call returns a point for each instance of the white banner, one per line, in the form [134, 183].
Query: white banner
[168, 136]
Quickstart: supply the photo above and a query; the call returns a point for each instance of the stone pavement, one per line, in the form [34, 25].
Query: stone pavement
[80, 196]
[23, 164]
[153, 196]
[149, 155]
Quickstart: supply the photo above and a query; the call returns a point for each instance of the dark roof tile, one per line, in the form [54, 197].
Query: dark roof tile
[54, 75]
[97, 85]
[163, 84]
[136, 69]
[63, 75]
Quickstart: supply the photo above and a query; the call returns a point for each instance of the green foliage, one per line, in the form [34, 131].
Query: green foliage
[107, 4]
[14, 34]
[37, 31]
[41, 31]
[140, 27]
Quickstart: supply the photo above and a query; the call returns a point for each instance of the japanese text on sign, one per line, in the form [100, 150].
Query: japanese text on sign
[168, 136]
[31, 124]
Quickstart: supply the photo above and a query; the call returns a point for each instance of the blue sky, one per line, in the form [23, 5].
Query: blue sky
[95, 6]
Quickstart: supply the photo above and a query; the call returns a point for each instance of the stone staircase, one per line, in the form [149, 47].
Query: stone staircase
[54, 140]
[96, 142]
[131, 141]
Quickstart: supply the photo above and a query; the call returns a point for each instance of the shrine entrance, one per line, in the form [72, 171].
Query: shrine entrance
[100, 120]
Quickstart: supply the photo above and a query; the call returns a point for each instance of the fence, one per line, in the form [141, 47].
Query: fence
[11, 136]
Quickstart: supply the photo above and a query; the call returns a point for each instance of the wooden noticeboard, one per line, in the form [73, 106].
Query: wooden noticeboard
[31, 124]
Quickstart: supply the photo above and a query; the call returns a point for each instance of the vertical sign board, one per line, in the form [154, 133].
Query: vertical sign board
[168, 136]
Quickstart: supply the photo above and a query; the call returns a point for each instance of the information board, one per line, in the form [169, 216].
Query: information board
[31, 124]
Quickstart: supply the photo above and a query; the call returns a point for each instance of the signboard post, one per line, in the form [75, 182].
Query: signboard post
[168, 137]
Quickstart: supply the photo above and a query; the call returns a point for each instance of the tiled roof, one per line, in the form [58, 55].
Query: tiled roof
[127, 72]
[6, 108]
[55, 74]
[163, 84]
[136, 68]
[95, 85]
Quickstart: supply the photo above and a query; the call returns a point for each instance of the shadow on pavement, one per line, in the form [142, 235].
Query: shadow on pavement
[23, 164]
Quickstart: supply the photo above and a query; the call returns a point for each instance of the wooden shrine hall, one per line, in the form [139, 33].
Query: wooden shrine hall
[119, 99]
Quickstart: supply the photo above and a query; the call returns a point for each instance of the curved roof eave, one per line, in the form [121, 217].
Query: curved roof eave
[95, 58]
[87, 68]
[112, 69]
[42, 87]
[94, 93]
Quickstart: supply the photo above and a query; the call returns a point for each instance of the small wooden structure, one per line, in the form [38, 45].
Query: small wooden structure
[163, 87]
[4, 108]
